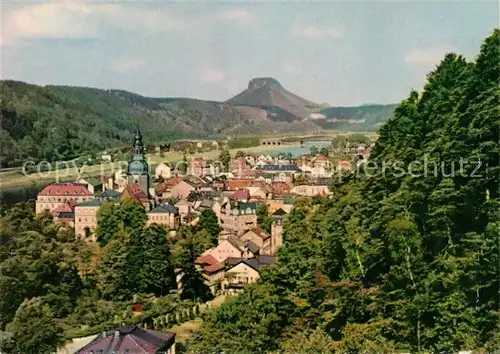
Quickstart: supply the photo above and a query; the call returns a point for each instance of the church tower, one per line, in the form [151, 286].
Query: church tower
[277, 230]
[138, 169]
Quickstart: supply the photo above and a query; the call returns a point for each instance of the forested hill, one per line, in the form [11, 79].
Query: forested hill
[393, 261]
[62, 122]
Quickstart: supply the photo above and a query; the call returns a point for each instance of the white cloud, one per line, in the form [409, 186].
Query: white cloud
[292, 68]
[211, 75]
[83, 20]
[49, 20]
[125, 65]
[311, 32]
[236, 15]
[427, 55]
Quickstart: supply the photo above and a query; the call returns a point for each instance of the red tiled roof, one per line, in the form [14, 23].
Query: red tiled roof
[66, 189]
[321, 157]
[260, 232]
[160, 188]
[66, 207]
[280, 188]
[242, 194]
[234, 184]
[173, 181]
[209, 263]
[134, 191]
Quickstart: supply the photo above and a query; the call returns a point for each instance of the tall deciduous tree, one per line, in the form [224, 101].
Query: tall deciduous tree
[33, 330]
[149, 263]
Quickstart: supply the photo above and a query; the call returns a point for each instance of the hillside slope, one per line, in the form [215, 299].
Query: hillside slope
[61, 122]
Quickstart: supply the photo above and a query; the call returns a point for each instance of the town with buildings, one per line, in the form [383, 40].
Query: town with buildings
[172, 199]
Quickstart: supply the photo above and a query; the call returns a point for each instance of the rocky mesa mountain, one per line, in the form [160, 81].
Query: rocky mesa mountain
[60, 122]
[268, 93]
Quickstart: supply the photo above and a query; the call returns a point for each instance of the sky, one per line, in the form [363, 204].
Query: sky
[341, 53]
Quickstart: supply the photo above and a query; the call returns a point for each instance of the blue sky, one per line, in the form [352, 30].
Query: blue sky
[336, 52]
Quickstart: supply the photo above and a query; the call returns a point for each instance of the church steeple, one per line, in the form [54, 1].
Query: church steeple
[138, 150]
[138, 169]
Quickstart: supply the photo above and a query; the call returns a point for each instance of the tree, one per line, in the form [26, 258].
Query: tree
[111, 276]
[150, 261]
[112, 219]
[224, 158]
[183, 165]
[108, 223]
[240, 153]
[33, 329]
[324, 151]
[313, 150]
[263, 218]
[209, 221]
[193, 283]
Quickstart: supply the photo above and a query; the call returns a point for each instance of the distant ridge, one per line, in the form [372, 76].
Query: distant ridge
[63, 122]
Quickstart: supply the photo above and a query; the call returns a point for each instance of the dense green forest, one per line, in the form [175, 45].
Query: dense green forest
[62, 122]
[54, 287]
[393, 261]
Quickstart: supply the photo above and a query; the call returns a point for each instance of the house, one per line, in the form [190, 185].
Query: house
[57, 194]
[238, 216]
[241, 272]
[242, 195]
[241, 183]
[64, 213]
[198, 167]
[181, 190]
[279, 168]
[280, 188]
[131, 339]
[230, 247]
[135, 192]
[163, 170]
[321, 172]
[280, 172]
[259, 193]
[322, 161]
[109, 195]
[164, 214]
[184, 208]
[260, 238]
[93, 184]
[310, 190]
[212, 269]
[86, 219]
[239, 167]
[119, 181]
[260, 163]
[251, 159]
[343, 165]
